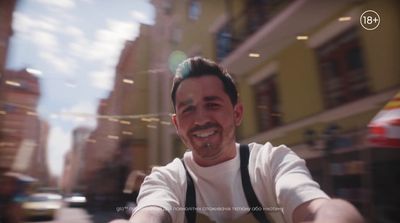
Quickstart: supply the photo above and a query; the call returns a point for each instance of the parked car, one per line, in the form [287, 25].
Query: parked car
[42, 205]
[75, 200]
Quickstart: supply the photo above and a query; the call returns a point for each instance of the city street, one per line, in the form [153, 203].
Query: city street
[80, 215]
[100, 99]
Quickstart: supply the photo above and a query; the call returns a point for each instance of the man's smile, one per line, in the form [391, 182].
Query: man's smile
[204, 134]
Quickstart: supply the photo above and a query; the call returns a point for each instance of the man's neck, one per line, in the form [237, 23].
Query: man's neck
[228, 153]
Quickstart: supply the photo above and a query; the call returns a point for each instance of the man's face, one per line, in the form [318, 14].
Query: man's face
[206, 120]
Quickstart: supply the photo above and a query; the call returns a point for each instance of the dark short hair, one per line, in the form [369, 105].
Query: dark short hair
[198, 67]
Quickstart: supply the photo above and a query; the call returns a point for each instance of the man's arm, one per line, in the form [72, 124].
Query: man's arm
[151, 214]
[327, 211]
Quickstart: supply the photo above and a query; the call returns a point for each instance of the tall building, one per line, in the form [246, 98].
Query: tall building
[100, 149]
[74, 163]
[130, 86]
[6, 14]
[39, 168]
[23, 134]
[118, 145]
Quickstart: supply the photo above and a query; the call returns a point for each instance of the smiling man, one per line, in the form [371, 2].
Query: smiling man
[206, 120]
[222, 179]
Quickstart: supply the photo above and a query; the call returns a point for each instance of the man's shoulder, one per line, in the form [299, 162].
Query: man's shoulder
[175, 164]
[268, 152]
[174, 169]
[267, 147]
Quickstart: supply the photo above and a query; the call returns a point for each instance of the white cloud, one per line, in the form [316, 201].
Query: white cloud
[45, 33]
[41, 31]
[65, 4]
[81, 114]
[74, 32]
[58, 144]
[143, 12]
[44, 40]
[123, 30]
[103, 49]
[102, 79]
[141, 17]
[106, 48]
[107, 43]
[23, 23]
[79, 48]
[64, 65]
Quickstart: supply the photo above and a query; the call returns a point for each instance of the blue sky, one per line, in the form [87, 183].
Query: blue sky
[75, 44]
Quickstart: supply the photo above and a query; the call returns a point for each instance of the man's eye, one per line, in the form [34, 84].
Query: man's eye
[213, 105]
[188, 109]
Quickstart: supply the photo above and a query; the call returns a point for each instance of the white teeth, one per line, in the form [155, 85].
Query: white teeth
[203, 135]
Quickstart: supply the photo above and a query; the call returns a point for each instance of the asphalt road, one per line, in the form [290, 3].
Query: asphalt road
[80, 215]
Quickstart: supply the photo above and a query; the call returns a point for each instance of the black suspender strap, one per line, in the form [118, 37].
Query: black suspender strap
[190, 203]
[255, 206]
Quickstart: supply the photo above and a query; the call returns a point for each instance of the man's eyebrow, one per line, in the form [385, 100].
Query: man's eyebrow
[212, 98]
[184, 103]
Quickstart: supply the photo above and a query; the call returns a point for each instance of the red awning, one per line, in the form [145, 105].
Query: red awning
[384, 129]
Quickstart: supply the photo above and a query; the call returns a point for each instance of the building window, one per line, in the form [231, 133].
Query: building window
[342, 70]
[257, 13]
[268, 109]
[194, 9]
[168, 6]
[175, 36]
[224, 42]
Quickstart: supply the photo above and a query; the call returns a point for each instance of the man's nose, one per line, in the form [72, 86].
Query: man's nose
[202, 117]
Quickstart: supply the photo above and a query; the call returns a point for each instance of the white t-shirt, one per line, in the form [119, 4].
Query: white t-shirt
[279, 178]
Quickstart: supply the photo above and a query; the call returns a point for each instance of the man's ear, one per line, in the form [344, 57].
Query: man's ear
[173, 119]
[238, 113]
